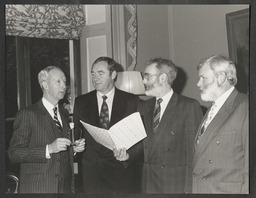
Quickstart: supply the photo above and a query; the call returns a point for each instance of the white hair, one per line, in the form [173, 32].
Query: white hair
[221, 63]
[43, 75]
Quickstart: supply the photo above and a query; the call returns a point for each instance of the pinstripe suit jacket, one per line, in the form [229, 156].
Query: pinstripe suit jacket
[221, 159]
[168, 153]
[33, 129]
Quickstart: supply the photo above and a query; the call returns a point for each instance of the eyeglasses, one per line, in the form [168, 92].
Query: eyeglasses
[148, 76]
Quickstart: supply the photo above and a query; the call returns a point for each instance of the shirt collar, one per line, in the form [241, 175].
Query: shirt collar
[49, 106]
[110, 93]
[167, 96]
[220, 101]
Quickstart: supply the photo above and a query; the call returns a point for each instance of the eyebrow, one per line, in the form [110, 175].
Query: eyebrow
[98, 71]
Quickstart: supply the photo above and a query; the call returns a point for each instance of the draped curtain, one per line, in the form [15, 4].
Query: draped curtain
[45, 21]
[131, 35]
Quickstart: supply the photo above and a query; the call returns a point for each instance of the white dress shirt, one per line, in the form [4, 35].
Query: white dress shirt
[49, 107]
[166, 98]
[220, 101]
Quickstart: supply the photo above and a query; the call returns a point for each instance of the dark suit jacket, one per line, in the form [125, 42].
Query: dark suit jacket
[34, 128]
[101, 171]
[168, 153]
[222, 157]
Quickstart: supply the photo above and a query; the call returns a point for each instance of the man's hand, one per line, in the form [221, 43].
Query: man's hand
[79, 145]
[60, 144]
[121, 154]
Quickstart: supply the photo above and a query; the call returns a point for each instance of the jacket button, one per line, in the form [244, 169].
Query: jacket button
[172, 132]
[210, 161]
[218, 142]
[162, 166]
[147, 164]
[204, 178]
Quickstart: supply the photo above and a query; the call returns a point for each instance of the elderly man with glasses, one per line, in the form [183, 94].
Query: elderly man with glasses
[171, 121]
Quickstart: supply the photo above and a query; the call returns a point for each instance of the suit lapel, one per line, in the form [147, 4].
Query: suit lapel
[65, 123]
[148, 121]
[200, 126]
[163, 125]
[66, 132]
[47, 121]
[91, 111]
[118, 108]
[213, 128]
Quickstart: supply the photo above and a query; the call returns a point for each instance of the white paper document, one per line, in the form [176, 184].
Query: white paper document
[123, 134]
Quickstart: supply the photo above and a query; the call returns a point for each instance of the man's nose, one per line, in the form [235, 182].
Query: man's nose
[144, 81]
[95, 77]
[199, 83]
[64, 85]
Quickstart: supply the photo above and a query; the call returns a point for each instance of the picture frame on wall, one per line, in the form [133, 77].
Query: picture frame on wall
[238, 45]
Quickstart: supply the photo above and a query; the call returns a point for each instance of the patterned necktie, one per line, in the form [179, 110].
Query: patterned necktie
[206, 122]
[157, 115]
[55, 118]
[104, 114]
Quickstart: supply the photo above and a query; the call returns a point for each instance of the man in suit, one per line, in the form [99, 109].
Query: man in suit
[221, 145]
[101, 172]
[171, 130]
[40, 141]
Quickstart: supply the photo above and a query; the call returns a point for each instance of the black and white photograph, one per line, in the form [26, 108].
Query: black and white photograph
[131, 99]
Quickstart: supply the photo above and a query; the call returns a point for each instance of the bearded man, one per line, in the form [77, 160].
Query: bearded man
[221, 148]
[171, 122]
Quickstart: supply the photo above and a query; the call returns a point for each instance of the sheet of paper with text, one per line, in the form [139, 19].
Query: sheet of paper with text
[123, 134]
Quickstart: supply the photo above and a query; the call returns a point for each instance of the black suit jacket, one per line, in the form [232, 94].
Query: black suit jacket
[101, 171]
[34, 128]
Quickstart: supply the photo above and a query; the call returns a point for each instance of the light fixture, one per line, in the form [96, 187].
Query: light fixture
[130, 81]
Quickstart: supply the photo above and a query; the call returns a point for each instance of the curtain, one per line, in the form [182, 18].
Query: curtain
[45, 21]
[131, 21]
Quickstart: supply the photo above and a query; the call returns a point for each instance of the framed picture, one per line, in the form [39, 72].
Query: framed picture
[238, 45]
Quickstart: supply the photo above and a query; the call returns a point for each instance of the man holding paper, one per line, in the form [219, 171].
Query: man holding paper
[103, 107]
[171, 122]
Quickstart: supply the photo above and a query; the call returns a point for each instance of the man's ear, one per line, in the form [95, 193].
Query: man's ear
[45, 85]
[163, 77]
[113, 75]
[221, 78]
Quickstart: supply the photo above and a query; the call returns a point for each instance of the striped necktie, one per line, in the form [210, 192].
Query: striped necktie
[104, 114]
[55, 118]
[157, 115]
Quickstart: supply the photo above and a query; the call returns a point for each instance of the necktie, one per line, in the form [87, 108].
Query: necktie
[104, 114]
[157, 115]
[206, 122]
[55, 118]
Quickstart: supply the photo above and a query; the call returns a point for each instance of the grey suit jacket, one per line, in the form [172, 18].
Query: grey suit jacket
[34, 128]
[221, 159]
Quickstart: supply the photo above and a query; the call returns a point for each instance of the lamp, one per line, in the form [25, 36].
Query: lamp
[130, 81]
